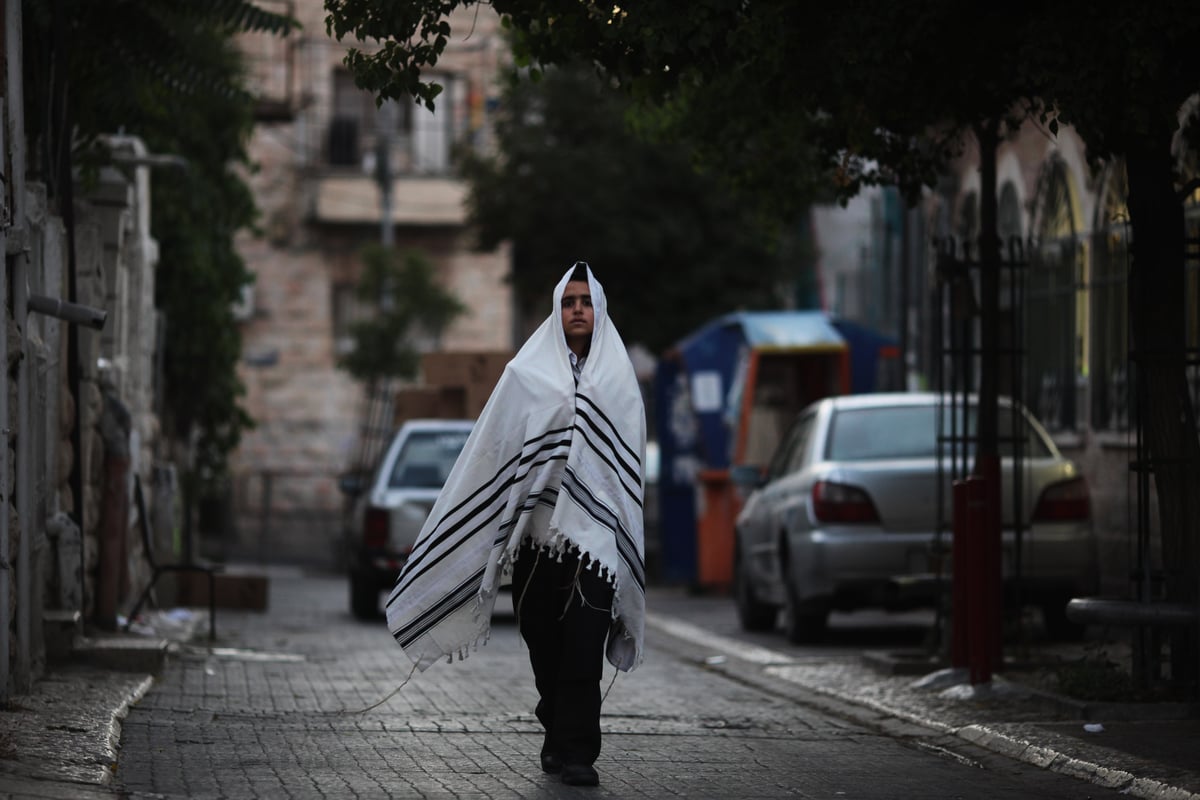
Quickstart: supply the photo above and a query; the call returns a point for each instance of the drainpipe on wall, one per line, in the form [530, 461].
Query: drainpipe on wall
[5, 438]
[17, 223]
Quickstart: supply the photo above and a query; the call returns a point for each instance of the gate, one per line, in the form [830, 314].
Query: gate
[287, 516]
[957, 372]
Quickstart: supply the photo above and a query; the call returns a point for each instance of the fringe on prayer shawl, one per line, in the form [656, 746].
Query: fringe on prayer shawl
[552, 460]
[560, 548]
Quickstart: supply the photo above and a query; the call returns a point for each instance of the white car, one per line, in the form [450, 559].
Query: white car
[846, 516]
[387, 513]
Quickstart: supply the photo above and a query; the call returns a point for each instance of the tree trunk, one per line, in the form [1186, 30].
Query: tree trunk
[1157, 309]
[987, 449]
[989, 296]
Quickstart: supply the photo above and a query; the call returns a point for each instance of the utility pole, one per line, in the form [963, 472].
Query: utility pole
[385, 132]
[377, 421]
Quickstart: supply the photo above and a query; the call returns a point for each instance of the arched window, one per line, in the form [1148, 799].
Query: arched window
[1111, 383]
[967, 229]
[1008, 215]
[1055, 307]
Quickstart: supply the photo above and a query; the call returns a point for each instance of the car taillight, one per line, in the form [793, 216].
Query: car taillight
[375, 527]
[1064, 501]
[837, 502]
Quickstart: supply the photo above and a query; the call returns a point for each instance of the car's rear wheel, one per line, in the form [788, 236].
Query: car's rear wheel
[364, 596]
[804, 621]
[753, 614]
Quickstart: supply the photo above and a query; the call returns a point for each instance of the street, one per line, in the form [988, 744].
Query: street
[277, 710]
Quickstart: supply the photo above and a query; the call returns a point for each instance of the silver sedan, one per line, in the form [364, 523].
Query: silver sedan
[846, 514]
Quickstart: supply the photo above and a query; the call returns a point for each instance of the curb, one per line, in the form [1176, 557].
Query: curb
[86, 696]
[1049, 758]
[114, 727]
[752, 664]
[67, 739]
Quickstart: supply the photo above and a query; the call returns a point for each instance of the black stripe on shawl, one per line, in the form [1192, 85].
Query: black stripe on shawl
[456, 527]
[453, 528]
[417, 563]
[453, 601]
[607, 518]
[420, 567]
[519, 458]
[416, 567]
[547, 497]
[615, 433]
[633, 493]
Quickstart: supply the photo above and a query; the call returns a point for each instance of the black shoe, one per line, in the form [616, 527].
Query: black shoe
[551, 763]
[580, 775]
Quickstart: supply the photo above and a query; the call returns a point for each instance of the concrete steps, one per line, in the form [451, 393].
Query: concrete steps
[66, 642]
[122, 652]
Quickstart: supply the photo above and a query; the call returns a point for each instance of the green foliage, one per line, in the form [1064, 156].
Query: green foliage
[782, 100]
[571, 182]
[119, 56]
[407, 300]
[169, 73]
[1122, 77]
[394, 70]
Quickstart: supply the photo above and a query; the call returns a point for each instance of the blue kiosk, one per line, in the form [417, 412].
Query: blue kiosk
[725, 395]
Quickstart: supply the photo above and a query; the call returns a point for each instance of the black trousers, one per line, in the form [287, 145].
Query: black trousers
[564, 613]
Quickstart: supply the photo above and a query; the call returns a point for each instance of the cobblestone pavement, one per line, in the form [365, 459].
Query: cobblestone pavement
[277, 709]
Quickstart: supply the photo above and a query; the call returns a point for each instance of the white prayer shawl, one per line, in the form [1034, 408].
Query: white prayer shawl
[550, 461]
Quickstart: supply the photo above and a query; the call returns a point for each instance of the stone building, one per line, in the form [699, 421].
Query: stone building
[317, 145]
[877, 263]
[77, 437]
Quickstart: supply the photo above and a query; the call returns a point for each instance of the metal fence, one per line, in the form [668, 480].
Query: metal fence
[286, 516]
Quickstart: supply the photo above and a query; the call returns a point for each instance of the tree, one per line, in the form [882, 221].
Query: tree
[570, 181]
[171, 74]
[783, 67]
[406, 302]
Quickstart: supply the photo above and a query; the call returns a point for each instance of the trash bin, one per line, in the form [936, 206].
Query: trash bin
[714, 530]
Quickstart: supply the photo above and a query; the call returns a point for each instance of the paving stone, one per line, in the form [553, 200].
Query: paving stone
[302, 701]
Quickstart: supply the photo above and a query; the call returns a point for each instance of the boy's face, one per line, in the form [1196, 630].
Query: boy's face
[578, 317]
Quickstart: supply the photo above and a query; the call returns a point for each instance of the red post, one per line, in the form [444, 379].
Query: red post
[978, 611]
[960, 548]
[993, 565]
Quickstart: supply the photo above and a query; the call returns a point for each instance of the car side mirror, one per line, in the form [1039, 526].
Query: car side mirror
[351, 484]
[747, 476]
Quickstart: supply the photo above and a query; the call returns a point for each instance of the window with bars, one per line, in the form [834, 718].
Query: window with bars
[1056, 306]
[1191, 265]
[967, 229]
[1111, 389]
[1008, 215]
[422, 139]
